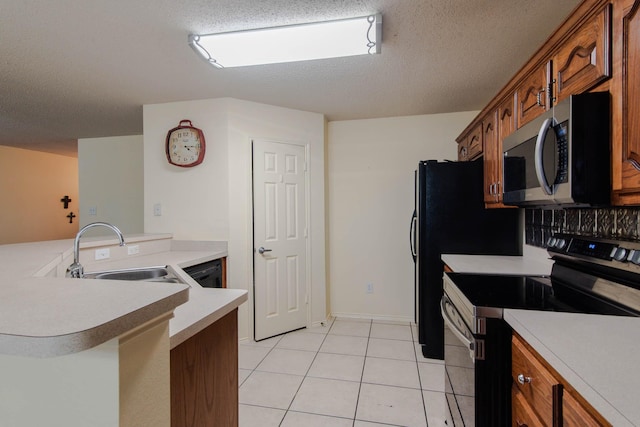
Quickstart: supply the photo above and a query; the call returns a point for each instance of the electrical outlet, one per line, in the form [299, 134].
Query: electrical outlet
[93, 210]
[369, 288]
[132, 250]
[157, 209]
[102, 253]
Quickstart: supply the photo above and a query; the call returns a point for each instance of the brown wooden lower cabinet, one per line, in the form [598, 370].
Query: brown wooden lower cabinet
[523, 414]
[541, 397]
[204, 377]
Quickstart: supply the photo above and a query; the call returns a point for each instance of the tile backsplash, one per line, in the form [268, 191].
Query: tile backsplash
[611, 222]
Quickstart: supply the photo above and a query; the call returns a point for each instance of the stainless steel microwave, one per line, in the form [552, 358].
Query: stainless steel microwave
[561, 158]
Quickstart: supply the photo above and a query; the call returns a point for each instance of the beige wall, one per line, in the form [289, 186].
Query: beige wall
[111, 181]
[213, 200]
[31, 186]
[370, 179]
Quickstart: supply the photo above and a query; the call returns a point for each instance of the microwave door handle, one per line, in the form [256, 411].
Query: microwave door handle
[539, 164]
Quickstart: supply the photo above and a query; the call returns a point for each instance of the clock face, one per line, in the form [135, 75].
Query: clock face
[185, 146]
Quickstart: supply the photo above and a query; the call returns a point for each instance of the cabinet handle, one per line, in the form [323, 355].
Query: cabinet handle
[520, 424]
[522, 379]
[539, 98]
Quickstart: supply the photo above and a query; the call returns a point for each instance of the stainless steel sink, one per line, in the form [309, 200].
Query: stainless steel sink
[148, 274]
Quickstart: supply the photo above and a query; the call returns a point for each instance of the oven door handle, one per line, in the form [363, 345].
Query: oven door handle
[475, 346]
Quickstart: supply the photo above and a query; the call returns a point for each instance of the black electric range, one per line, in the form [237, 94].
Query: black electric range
[589, 275]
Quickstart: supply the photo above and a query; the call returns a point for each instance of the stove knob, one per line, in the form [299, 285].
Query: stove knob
[634, 256]
[561, 243]
[619, 254]
[551, 241]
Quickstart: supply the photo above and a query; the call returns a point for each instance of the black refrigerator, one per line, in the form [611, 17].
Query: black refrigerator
[450, 218]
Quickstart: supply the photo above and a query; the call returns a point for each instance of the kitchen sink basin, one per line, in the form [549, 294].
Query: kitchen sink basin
[148, 274]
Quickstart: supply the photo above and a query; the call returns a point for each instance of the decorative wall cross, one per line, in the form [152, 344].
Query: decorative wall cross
[71, 216]
[66, 200]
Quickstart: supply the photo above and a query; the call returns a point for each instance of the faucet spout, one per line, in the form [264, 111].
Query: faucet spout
[76, 270]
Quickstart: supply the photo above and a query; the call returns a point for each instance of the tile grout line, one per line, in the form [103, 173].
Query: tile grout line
[364, 363]
[424, 405]
[361, 379]
[305, 375]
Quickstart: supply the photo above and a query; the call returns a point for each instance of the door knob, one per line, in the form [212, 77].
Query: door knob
[263, 250]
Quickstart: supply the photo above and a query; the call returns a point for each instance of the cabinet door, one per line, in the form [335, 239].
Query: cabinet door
[584, 60]
[534, 381]
[475, 144]
[532, 95]
[631, 90]
[492, 157]
[522, 415]
[470, 145]
[576, 415]
[506, 125]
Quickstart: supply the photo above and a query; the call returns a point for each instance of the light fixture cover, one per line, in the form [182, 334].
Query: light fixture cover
[318, 40]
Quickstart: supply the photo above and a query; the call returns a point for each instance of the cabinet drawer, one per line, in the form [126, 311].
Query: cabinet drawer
[539, 383]
[522, 414]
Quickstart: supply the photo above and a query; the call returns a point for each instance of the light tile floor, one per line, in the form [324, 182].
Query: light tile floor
[351, 373]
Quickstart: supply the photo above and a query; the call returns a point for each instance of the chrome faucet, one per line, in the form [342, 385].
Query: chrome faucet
[76, 270]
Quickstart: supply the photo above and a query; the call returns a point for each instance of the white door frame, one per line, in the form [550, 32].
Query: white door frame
[251, 242]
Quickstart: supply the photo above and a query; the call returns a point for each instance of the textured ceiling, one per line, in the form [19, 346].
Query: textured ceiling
[83, 68]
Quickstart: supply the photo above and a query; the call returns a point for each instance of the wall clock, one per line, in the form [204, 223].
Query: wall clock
[185, 145]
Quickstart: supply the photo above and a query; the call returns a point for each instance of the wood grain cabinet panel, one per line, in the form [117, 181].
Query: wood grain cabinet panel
[538, 386]
[532, 95]
[584, 60]
[470, 146]
[523, 415]
[544, 398]
[492, 158]
[204, 377]
[574, 414]
[631, 87]
[496, 126]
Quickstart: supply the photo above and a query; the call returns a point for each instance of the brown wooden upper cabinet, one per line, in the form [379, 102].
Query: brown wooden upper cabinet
[533, 94]
[626, 125]
[496, 126]
[470, 145]
[584, 60]
[581, 62]
[597, 48]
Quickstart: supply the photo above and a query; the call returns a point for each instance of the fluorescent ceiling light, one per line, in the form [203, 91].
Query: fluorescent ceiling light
[319, 40]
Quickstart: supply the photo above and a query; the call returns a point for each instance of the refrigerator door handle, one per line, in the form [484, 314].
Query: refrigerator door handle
[412, 236]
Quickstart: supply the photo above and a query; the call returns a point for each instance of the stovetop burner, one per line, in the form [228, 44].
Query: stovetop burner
[589, 275]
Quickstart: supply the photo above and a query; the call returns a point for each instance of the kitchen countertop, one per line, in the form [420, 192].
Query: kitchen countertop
[596, 354]
[52, 316]
[528, 265]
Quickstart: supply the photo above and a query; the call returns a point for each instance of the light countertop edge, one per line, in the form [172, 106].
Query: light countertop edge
[205, 306]
[88, 323]
[595, 354]
[75, 342]
[498, 264]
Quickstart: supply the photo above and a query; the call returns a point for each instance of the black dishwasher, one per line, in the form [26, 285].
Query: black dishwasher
[208, 274]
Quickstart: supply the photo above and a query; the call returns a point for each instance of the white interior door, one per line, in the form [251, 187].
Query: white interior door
[279, 238]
